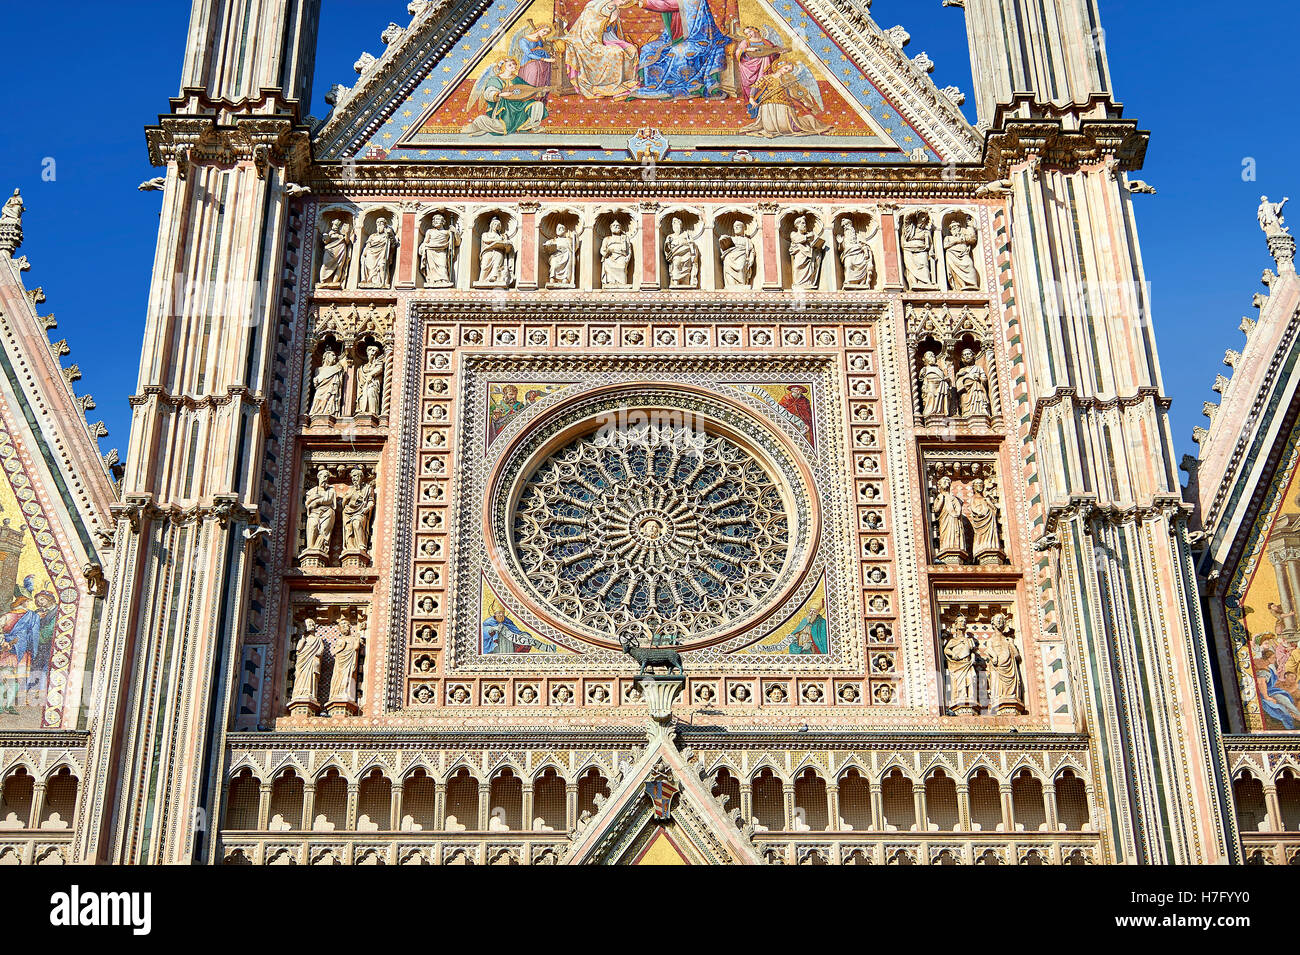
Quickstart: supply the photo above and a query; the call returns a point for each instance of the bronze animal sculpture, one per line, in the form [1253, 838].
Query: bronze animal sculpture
[664, 658]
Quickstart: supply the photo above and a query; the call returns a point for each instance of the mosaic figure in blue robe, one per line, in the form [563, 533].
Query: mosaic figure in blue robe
[688, 56]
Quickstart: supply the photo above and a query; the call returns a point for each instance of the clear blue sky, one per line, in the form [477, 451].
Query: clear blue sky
[1209, 79]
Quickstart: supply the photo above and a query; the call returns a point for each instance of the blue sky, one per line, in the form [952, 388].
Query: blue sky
[1208, 79]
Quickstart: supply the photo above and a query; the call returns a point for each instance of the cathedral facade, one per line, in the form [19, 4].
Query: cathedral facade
[628, 431]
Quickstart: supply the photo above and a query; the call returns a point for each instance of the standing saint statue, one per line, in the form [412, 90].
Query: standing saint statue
[564, 257]
[973, 387]
[986, 545]
[616, 258]
[936, 389]
[306, 668]
[739, 256]
[1006, 688]
[959, 246]
[327, 385]
[805, 255]
[13, 208]
[370, 383]
[346, 649]
[856, 259]
[358, 510]
[947, 509]
[496, 260]
[337, 254]
[378, 256]
[683, 253]
[959, 653]
[1271, 219]
[437, 253]
[321, 507]
[918, 251]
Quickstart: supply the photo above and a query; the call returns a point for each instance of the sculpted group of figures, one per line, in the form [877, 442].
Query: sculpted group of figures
[963, 655]
[953, 388]
[594, 58]
[331, 374]
[806, 239]
[344, 652]
[321, 509]
[968, 525]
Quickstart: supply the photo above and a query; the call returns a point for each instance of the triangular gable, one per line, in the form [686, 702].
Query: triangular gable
[852, 94]
[626, 831]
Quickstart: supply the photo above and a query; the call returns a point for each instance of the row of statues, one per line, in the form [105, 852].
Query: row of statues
[321, 510]
[329, 380]
[969, 528]
[345, 649]
[438, 254]
[963, 655]
[953, 389]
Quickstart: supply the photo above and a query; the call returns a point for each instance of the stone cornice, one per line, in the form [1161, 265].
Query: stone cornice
[138, 509]
[1085, 507]
[1094, 403]
[202, 139]
[750, 307]
[39, 739]
[1055, 146]
[189, 402]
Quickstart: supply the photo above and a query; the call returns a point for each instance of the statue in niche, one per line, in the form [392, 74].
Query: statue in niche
[856, 259]
[936, 389]
[370, 382]
[346, 649]
[806, 248]
[321, 507]
[683, 253]
[307, 663]
[496, 260]
[616, 258]
[564, 257]
[947, 509]
[959, 247]
[337, 256]
[918, 251]
[959, 653]
[358, 511]
[327, 385]
[378, 256]
[437, 253]
[1006, 688]
[986, 546]
[973, 387]
[739, 255]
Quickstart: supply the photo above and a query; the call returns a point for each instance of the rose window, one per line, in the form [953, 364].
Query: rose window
[651, 531]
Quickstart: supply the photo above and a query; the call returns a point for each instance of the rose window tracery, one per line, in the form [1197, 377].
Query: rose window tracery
[652, 530]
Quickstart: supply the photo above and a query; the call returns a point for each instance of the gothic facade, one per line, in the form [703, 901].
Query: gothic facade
[630, 432]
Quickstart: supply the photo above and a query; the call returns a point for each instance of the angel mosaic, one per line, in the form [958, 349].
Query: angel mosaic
[788, 101]
[509, 103]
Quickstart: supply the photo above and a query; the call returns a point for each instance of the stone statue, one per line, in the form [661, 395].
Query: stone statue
[347, 653]
[856, 259]
[918, 251]
[683, 253]
[564, 257]
[337, 255]
[806, 248]
[370, 383]
[358, 511]
[306, 669]
[973, 387]
[936, 389]
[327, 385]
[437, 253]
[616, 258]
[739, 256]
[986, 546]
[947, 510]
[321, 506]
[959, 247]
[959, 652]
[378, 257]
[1271, 219]
[13, 209]
[496, 260]
[1006, 688]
